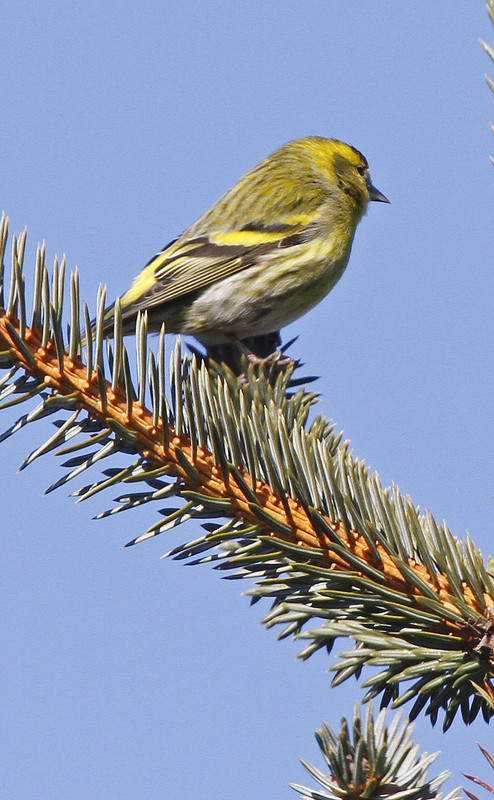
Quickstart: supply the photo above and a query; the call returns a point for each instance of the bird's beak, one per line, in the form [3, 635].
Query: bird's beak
[375, 194]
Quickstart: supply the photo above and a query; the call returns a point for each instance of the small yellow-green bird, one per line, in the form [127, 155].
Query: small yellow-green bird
[264, 254]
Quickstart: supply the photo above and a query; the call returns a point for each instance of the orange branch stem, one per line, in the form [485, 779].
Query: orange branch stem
[149, 441]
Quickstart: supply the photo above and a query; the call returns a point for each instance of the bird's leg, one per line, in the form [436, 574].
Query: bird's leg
[263, 349]
[274, 358]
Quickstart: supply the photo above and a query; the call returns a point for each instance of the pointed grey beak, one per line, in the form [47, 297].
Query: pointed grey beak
[375, 194]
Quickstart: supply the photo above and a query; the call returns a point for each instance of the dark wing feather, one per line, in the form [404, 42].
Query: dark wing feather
[186, 265]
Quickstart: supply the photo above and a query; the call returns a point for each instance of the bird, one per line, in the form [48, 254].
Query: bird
[262, 256]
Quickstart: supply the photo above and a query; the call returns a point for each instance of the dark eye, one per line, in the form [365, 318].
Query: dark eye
[361, 170]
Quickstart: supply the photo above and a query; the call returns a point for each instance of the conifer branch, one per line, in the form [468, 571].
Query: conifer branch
[368, 758]
[319, 534]
[256, 504]
[490, 52]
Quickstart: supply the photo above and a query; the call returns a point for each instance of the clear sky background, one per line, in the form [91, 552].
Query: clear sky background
[126, 676]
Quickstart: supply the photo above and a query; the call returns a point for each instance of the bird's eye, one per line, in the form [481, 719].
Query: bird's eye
[361, 170]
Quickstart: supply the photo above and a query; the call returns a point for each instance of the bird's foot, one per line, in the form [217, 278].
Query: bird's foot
[277, 361]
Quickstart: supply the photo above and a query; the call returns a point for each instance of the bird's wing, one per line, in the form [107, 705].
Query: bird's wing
[186, 266]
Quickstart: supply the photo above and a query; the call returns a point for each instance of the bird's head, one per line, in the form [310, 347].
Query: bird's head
[341, 168]
[352, 173]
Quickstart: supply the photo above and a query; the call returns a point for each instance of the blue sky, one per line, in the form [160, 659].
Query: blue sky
[128, 676]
